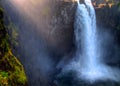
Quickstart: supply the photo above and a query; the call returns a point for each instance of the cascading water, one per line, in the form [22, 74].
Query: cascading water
[89, 65]
[86, 20]
[88, 55]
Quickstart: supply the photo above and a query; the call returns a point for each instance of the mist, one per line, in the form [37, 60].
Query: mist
[40, 49]
[32, 19]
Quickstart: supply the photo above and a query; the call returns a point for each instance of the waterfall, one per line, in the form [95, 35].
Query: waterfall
[86, 20]
[89, 65]
[87, 60]
[86, 38]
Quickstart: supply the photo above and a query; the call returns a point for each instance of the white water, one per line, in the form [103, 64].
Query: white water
[85, 20]
[88, 65]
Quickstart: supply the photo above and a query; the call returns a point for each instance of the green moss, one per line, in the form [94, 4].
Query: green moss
[3, 78]
[4, 74]
[11, 70]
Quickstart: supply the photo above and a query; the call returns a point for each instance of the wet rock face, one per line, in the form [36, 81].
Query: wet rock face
[62, 25]
[108, 21]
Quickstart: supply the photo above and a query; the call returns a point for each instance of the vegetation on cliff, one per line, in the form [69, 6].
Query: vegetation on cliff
[11, 70]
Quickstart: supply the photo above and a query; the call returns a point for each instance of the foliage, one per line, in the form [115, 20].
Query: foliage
[3, 78]
[11, 70]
